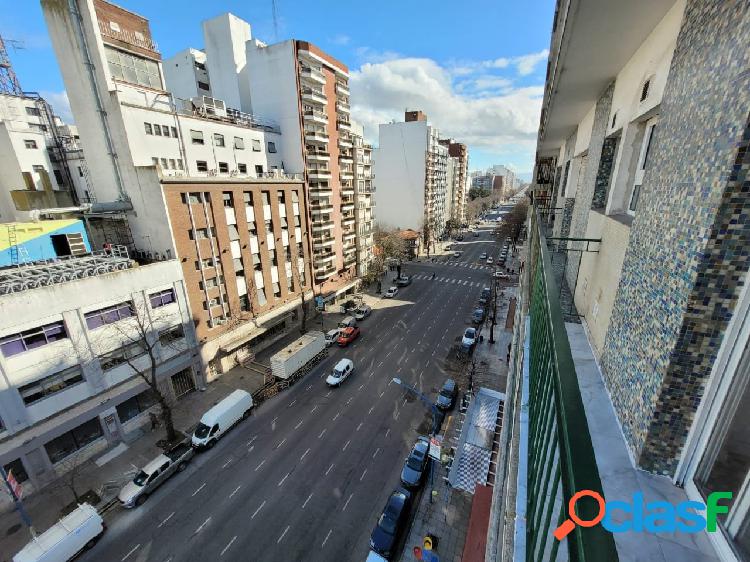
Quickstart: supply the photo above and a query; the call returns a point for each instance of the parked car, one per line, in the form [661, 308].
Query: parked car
[349, 306]
[221, 418]
[332, 336]
[486, 292]
[154, 474]
[489, 260]
[373, 556]
[478, 315]
[470, 337]
[483, 301]
[476, 234]
[456, 254]
[501, 275]
[340, 372]
[392, 523]
[447, 395]
[460, 237]
[415, 465]
[348, 335]
[347, 322]
[483, 256]
[391, 292]
[403, 281]
[362, 312]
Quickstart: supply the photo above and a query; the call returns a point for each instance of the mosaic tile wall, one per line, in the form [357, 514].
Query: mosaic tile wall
[555, 189]
[570, 144]
[601, 186]
[688, 252]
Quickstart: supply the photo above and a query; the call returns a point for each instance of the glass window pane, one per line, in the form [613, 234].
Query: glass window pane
[94, 321]
[34, 340]
[87, 432]
[61, 447]
[12, 346]
[128, 409]
[55, 332]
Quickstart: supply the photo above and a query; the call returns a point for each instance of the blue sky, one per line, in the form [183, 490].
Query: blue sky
[476, 67]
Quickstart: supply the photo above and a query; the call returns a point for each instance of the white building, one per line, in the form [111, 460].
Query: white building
[66, 391]
[363, 199]
[411, 177]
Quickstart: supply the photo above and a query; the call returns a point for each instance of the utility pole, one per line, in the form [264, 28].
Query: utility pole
[17, 499]
[494, 311]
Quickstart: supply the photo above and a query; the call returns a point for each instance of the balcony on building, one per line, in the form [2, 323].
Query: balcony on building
[344, 124]
[322, 225]
[324, 271]
[343, 107]
[315, 116]
[345, 156]
[320, 190]
[346, 174]
[342, 88]
[347, 219]
[323, 240]
[350, 258]
[345, 141]
[316, 154]
[321, 206]
[347, 207]
[314, 95]
[312, 75]
[318, 172]
[315, 135]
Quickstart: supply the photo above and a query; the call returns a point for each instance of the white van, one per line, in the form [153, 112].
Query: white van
[332, 336]
[75, 532]
[342, 370]
[348, 322]
[219, 419]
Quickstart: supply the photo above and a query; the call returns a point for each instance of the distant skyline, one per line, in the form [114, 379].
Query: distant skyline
[477, 72]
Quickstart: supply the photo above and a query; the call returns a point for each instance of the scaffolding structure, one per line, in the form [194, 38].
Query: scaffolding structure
[61, 270]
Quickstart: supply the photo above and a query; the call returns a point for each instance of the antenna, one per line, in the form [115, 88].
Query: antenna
[9, 83]
[275, 20]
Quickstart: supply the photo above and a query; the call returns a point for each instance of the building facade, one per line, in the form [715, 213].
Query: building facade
[364, 209]
[457, 179]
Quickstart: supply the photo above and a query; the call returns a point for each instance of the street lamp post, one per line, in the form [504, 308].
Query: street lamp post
[430, 405]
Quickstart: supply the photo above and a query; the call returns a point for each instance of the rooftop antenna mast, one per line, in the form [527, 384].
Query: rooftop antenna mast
[9, 83]
[275, 21]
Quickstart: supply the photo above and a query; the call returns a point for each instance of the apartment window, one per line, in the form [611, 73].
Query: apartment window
[133, 68]
[256, 145]
[37, 168]
[200, 65]
[645, 89]
[223, 168]
[244, 303]
[172, 164]
[170, 336]
[206, 264]
[135, 405]
[179, 164]
[242, 168]
[149, 128]
[218, 139]
[119, 356]
[274, 260]
[201, 165]
[295, 197]
[261, 296]
[32, 111]
[40, 389]
[271, 147]
[162, 298]
[157, 130]
[238, 266]
[276, 290]
[201, 233]
[174, 132]
[75, 439]
[31, 339]
[203, 86]
[258, 169]
[165, 130]
[109, 315]
[233, 232]
[209, 284]
[16, 467]
[28, 143]
[239, 143]
[227, 199]
[190, 197]
[59, 177]
[164, 164]
[114, 26]
[211, 303]
[196, 137]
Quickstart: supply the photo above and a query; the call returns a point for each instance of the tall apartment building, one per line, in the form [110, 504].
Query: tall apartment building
[411, 177]
[498, 178]
[458, 179]
[364, 209]
[151, 156]
[643, 151]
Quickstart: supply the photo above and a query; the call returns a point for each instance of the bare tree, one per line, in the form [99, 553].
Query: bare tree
[297, 280]
[70, 468]
[390, 244]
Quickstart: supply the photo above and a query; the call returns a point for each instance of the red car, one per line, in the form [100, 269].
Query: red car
[348, 335]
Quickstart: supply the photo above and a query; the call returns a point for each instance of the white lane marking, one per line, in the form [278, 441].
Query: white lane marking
[380, 364]
[328, 393]
[299, 424]
[283, 479]
[199, 529]
[346, 445]
[309, 386]
[347, 501]
[283, 534]
[274, 419]
[329, 469]
[336, 416]
[292, 403]
[165, 520]
[314, 408]
[321, 433]
[325, 540]
[382, 393]
[404, 404]
[307, 500]
[359, 426]
[370, 410]
[389, 353]
[350, 399]
[387, 432]
[234, 538]
[199, 489]
[257, 510]
[282, 442]
[251, 441]
[237, 489]
[376, 452]
[363, 475]
[226, 464]
[370, 375]
[136, 547]
[261, 464]
[305, 454]
[250, 450]
[361, 386]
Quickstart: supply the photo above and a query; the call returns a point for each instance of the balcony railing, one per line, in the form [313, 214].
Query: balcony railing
[561, 457]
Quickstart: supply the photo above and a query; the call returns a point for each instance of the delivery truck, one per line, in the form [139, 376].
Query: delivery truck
[298, 357]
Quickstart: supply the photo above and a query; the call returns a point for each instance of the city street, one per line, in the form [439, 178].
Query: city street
[306, 476]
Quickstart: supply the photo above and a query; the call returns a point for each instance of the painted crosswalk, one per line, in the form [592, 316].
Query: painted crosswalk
[449, 280]
[467, 265]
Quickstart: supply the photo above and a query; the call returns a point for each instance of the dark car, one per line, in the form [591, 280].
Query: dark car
[391, 524]
[478, 315]
[416, 464]
[447, 395]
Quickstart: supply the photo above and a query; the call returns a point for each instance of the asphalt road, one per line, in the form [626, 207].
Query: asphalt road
[307, 475]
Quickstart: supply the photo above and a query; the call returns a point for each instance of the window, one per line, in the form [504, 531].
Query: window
[242, 168]
[233, 232]
[644, 90]
[199, 65]
[133, 68]
[211, 303]
[164, 164]
[59, 177]
[171, 335]
[218, 139]
[256, 145]
[223, 168]
[206, 263]
[75, 439]
[165, 130]
[149, 128]
[247, 196]
[98, 318]
[271, 147]
[239, 143]
[121, 355]
[135, 405]
[17, 468]
[259, 169]
[31, 339]
[172, 164]
[191, 197]
[648, 134]
[227, 199]
[38, 127]
[201, 165]
[37, 390]
[162, 298]
[157, 130]
[179, 164]
[201, 233]
[28, 143]
[209, 284]
[261, 296]
[174, 132]
[32, 111]
[80, 171]
[274, 260]
[276, 290]
[37, 168]
[114, 26]
[244, 303]
[203, 86]
[196, 137]
[238, 266]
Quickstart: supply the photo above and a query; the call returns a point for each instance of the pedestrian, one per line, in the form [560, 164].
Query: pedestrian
[154, 421]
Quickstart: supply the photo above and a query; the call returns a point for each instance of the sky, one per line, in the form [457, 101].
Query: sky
[476, 67]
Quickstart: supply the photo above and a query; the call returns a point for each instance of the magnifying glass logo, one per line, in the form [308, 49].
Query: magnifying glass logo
[569, 524]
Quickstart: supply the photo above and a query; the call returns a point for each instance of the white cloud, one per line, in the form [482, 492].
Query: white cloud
[60, 105]
[485, 111]
[341, 39]
[526, 63]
